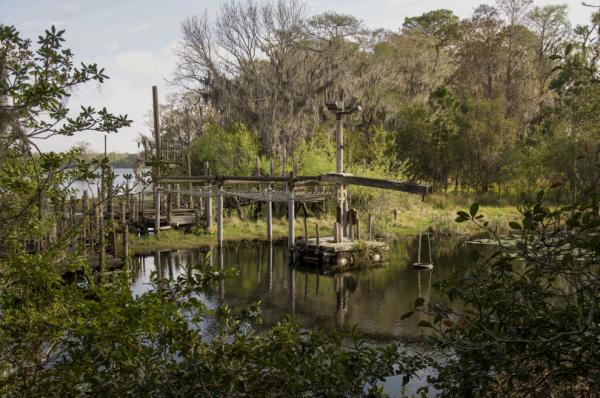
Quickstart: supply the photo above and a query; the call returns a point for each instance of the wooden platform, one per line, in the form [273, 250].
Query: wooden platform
[340, 256]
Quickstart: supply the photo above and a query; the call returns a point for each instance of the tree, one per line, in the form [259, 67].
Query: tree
[553, 29]
[35, 85]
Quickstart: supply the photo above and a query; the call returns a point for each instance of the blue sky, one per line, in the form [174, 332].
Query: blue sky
[134, 41]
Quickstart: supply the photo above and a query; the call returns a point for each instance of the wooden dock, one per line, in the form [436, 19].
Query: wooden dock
[339, 256]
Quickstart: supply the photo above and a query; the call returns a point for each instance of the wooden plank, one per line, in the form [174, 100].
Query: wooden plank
[376, 183]
[332, 178]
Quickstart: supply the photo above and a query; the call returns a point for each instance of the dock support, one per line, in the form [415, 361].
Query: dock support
[269, 212]
[370, 227]
[156, 170]
[291, 218]
[169, 208]
[208, 204]
[177, 197]
[102, 244]
[220, 216]
[125, 232]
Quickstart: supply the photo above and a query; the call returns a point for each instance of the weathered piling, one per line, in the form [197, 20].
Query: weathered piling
[85, 216]
[269, 214]
[208, 203]
[220, 215]
[125, 231]
[156, 168]
[169, 208]
[177, 197]
[291, 217]
[101, 240]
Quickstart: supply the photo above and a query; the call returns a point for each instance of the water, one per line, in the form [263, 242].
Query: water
[92, 186]
[372, 299]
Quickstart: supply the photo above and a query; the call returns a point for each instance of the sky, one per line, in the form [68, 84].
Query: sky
[134, 41]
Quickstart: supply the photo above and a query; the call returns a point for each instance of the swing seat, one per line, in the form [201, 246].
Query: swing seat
[423, 266]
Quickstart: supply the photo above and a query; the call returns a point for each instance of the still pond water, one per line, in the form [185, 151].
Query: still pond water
[372, 299]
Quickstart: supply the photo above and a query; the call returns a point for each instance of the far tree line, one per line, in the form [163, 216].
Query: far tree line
[504, 99]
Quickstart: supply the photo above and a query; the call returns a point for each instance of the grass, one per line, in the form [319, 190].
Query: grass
[437, 213]
[234, 230]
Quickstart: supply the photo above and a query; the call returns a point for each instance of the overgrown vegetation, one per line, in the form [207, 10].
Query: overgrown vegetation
[63, 337]
[524, 321]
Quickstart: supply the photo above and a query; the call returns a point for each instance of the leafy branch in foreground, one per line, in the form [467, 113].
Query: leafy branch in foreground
[525, 320]
[57, 339]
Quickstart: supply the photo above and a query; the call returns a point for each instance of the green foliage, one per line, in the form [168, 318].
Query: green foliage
[229, 151]
[316, 155]
[61, 338]
[57, 338]
[524, 320]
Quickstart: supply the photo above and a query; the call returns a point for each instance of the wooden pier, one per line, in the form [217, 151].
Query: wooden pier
[340, 256]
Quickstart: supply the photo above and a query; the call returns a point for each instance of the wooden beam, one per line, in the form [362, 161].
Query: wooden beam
[376, 183]
[332, 178]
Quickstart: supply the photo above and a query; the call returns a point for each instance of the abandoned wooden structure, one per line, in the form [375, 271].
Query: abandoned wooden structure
[204, 189]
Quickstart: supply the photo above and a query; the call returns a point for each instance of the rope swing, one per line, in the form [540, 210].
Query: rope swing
[421, 265]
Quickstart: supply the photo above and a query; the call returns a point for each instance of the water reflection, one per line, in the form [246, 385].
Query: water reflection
[372, 299]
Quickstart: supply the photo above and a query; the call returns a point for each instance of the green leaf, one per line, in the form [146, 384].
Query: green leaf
[473, 209]
[407, 315]
[515, 225]
[419, 302]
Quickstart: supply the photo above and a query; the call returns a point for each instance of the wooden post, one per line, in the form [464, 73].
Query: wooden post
[350, 228]
[305, 228]
[220, 216]
[102, 243]
[269, 215]
[156, 170]
[189, 173]
[141, 208]
[208, 204]
[370, 227]
[125, 232]
[177, 197]
[317, 232]
[169, 208]
[85, 215]
[111, 211]
[197, 216]
[72, 204]
[395, 212]
[291, 217]
[130, 205]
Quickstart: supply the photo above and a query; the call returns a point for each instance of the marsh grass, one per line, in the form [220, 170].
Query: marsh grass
[437, 214]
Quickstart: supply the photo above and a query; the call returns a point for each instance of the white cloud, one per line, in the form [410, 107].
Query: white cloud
[71, 7]
[144, 62]
[138, 28]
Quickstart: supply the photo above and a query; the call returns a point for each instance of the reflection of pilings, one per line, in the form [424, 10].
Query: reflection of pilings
[270, 267]
[305, 285]
[258, 262]
[157, 266]
[170, 264]
[292, 289]
[220, 265]
[341, 300]
[177, 262]
[317, 286]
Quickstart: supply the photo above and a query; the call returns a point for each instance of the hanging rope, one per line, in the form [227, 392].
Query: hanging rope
[420, 265]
